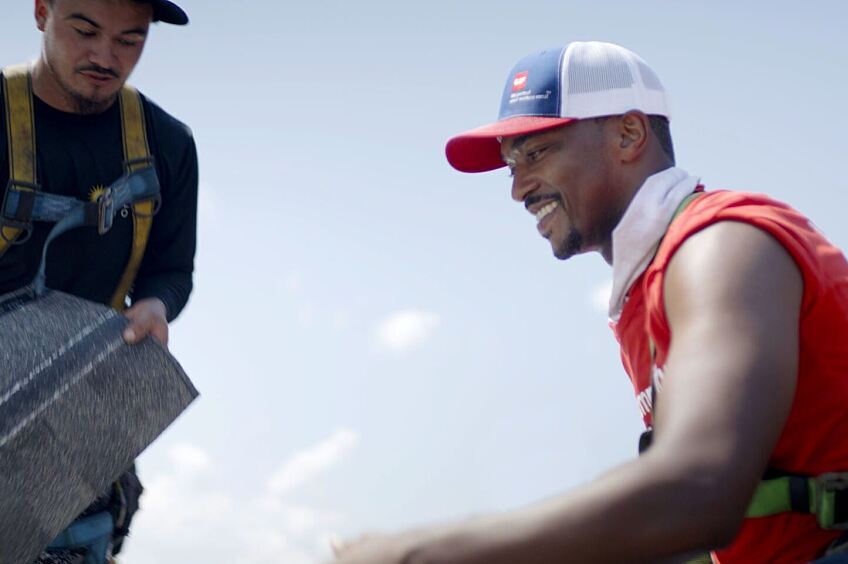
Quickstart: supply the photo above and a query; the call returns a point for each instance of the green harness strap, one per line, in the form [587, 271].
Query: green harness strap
[824, 496]
[20, 136]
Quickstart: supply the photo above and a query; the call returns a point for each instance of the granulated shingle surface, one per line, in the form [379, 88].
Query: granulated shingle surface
[77, 406]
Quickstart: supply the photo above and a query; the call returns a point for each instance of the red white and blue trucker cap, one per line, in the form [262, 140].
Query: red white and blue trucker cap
[168, 12]
[558, 86]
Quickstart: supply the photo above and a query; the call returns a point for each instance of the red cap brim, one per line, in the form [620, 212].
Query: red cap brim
[479, 150]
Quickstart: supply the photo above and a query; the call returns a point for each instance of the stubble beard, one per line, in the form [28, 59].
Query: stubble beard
[570, 247]
[81, 104]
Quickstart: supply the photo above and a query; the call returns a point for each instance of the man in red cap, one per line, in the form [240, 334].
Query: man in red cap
[731, 311]
[71, 127]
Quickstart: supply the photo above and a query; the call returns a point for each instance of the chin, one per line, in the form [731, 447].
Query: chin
[88, 103]
[563, 255]
[573, 245]
[94, 95]
[85, 98]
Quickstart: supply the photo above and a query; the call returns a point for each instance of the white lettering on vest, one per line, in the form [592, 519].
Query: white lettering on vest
[645, 397]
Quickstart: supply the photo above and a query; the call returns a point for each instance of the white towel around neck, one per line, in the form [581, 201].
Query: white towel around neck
[638, 234]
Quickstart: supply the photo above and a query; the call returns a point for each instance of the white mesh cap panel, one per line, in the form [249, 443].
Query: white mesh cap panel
[594, 68]
[649, 77]
[601, 79]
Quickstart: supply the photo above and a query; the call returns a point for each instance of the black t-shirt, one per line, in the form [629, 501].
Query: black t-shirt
[76, 154]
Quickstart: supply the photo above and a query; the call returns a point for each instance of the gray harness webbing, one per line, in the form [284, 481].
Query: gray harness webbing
[68, 212]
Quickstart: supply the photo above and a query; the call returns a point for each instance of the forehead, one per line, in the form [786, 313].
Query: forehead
[513, 146]
[119, 12]
[582, 132]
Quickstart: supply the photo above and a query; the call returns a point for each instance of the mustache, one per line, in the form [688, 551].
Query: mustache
[98, 69]
[535, 199]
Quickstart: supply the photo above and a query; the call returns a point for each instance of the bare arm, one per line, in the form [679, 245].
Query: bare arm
[733, 298]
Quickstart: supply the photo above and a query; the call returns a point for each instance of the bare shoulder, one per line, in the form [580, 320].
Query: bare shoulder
[731, 264]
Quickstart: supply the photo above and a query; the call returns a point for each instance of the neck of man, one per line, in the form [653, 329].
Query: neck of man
[48, 88]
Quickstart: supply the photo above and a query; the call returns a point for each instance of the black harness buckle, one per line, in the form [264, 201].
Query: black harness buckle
[831, 500]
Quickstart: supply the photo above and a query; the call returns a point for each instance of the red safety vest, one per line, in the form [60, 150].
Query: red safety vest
[813, 440]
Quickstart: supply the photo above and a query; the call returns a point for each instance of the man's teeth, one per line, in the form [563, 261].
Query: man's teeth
[540, 215]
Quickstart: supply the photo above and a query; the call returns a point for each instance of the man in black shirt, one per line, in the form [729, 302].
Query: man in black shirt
[90, 47]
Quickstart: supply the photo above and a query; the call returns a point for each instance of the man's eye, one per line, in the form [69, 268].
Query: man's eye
[127, 42]
[85, 33]
[535, 154]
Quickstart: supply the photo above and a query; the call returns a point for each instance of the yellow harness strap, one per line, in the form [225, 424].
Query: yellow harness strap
[137, 155]
[20, 135]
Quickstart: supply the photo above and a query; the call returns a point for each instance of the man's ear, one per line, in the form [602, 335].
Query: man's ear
[41, 10]
[633, 135]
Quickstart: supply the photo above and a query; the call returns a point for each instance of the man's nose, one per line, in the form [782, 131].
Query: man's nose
[522, 185]
[102, 54]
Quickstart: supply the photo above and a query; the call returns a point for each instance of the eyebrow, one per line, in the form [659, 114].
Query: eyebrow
[516, 146]
[77, 16]
[518, 142]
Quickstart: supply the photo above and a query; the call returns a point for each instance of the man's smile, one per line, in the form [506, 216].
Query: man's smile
[542, 207]
[542, 213]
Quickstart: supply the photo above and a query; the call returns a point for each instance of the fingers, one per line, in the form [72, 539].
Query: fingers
[148, 317]
[159, 331]
[130, 335]
[138, 329]
[134, 332]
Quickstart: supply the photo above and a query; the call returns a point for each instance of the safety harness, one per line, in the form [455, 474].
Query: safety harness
[25, 202]
[825, 496]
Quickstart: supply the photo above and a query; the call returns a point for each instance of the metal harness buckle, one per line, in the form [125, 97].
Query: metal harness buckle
[105, 211]
[827, 487]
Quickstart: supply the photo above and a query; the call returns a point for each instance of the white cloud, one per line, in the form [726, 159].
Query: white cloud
[306, 464]
[187, 516]
[406, 329]
[601, 296]
[190, 459]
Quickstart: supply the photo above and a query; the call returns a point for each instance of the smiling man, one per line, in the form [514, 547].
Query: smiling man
[732, 314]
[72, 127]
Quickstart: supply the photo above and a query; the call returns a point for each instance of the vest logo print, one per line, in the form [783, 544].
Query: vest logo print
[520, 81]
[645, 398]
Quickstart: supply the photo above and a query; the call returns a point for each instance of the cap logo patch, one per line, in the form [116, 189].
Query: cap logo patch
[520, 81]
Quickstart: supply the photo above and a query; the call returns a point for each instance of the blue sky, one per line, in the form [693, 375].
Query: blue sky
[379, 340]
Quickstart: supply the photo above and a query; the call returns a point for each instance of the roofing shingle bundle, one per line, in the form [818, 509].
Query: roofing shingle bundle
[77, 405]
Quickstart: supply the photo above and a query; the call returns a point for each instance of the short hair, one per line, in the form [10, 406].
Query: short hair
[660, 127]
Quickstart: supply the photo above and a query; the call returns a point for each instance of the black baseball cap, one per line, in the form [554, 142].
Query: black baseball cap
[168, 12]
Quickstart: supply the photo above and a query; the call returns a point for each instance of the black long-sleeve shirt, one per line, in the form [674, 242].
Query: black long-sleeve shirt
[76, 154]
